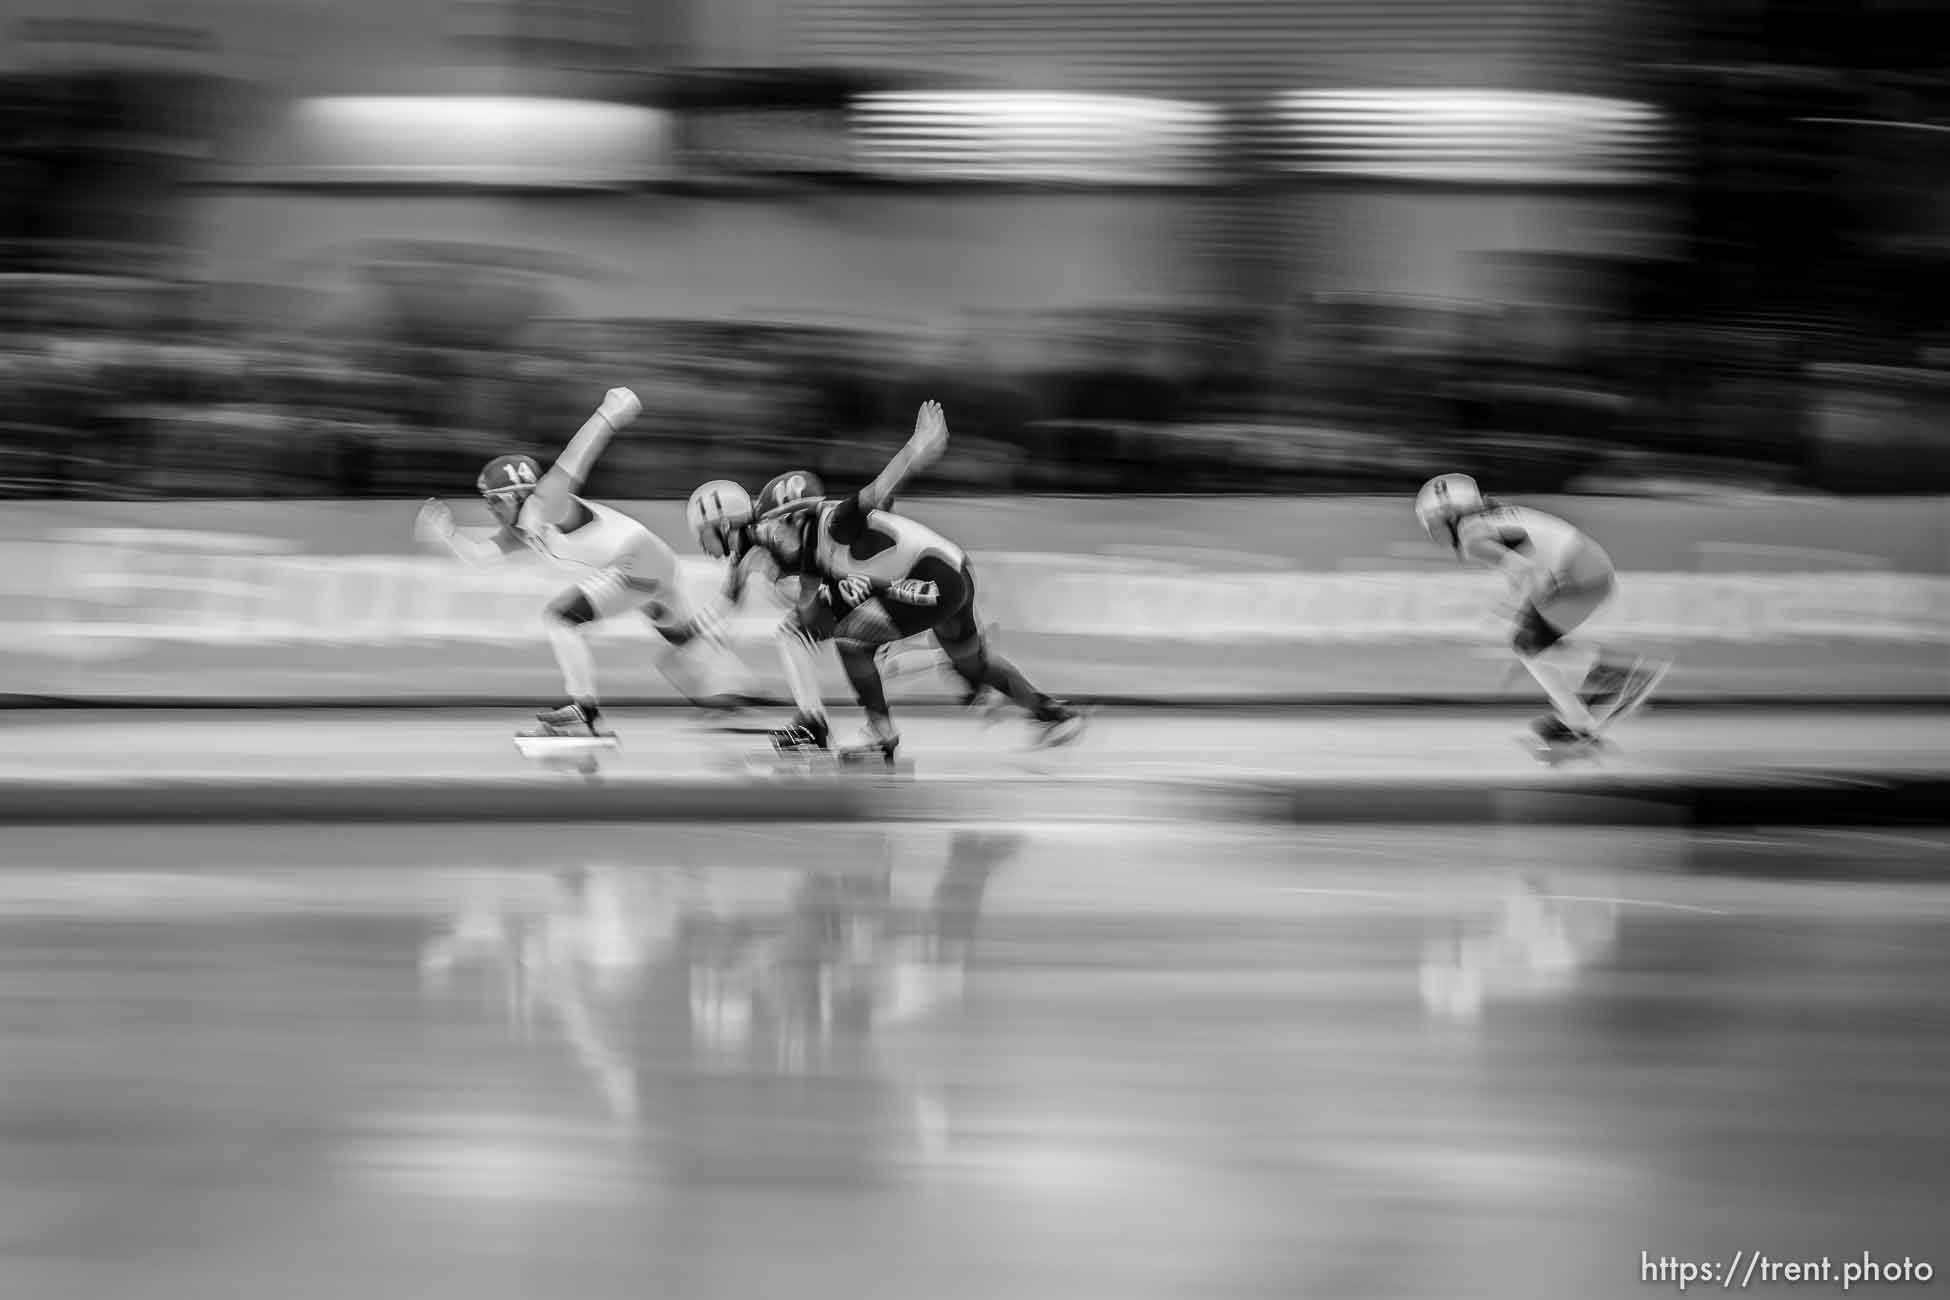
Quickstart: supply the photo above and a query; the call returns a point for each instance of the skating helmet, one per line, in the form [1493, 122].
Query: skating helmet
[1442, 501]
[507, 483]
[719, 513]
[796, 487]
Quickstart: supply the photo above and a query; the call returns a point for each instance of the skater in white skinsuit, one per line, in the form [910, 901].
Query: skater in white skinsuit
[630, 569]
[1560, 577]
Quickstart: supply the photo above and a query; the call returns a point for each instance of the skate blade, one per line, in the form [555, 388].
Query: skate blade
[826, 764]
[753, 726]
[872, 762]
[1068, 732]
[533, 745]
[1552, 755]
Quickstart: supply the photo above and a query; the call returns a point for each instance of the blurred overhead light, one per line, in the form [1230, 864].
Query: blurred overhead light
[1469, 137]
[1055, 139]
[470, 141]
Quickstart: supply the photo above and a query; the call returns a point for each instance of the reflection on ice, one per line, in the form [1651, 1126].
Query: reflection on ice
[774, 970]
[1534, 947]
[920, 1060]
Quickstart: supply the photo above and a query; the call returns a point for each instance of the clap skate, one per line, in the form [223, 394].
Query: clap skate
[871, 748]
[1643, 679]
[1604, 686]
[800, 748]
[1552, 742]
[570, 736]
[803, 737]
[1059, 725]
[1625, 691]
[804, 748]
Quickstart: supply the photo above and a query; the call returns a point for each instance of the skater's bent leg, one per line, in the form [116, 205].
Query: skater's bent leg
[1558, 668]
[977, 665]
[1610, 673]
[691, 654]
[1599, 674]
[857, 658]
[797, 656]
[859, 638]
[1560, 685]
[565, 620]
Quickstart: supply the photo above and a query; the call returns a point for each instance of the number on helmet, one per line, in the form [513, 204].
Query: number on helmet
[790, 489]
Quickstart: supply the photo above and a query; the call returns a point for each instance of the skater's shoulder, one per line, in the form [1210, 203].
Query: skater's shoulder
[1512, 523]
[575, 514]
[1497, 524]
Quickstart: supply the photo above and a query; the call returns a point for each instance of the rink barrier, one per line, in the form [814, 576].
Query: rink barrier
[1918, 800]
[1114, 598]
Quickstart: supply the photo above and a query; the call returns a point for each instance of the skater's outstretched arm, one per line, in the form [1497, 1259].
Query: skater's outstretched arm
[739, 573]
[849, 519]
[930, 439]
[555, 494]
[756, 563]
[435, 526]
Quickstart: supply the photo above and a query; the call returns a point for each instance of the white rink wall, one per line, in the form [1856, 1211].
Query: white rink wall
[1168, 598]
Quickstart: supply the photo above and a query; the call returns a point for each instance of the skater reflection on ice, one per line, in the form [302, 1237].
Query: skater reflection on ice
[1536, 948]
[713, 968]
[852, 957]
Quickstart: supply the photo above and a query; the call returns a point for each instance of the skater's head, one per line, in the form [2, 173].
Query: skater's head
[721, 515]
[507, 483]
[787, 535]
[1443, 502]
[793, 489]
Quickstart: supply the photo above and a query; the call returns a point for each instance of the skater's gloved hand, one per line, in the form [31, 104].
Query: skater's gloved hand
[930, 433]
[854, 590]
[620, 406]
[435, 523]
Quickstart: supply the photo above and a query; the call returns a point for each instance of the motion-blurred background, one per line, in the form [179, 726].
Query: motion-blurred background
[1114, 1024]
[274, 248]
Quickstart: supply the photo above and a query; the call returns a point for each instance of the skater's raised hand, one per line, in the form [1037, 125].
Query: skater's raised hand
[620, 406]
[554, 496]
[930, 432]
[929, 441]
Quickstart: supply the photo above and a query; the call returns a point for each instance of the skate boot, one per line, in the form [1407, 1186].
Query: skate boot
[804, 736]
[1606, 683]
[572, 721]
[1551, 730]
[874, 744]
[1056, 724]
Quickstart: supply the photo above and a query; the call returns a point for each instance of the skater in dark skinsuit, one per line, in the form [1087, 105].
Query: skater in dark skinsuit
[875, 579]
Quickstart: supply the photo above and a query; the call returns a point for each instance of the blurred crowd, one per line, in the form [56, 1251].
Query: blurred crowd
[1789, 337]
[1338, 397]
